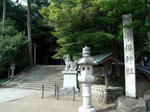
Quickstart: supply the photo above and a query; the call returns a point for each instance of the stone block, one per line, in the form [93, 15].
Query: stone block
[70, 79]
[67, 92]
[126, 104]
[147, 99]
[102, 94]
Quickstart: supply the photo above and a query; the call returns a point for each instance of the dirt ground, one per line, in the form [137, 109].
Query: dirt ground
[34, 103]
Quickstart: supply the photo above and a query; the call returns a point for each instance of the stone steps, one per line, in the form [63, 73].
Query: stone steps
[36, 76]
[38, 86]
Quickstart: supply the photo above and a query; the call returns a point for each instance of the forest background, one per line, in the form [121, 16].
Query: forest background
[61, 27]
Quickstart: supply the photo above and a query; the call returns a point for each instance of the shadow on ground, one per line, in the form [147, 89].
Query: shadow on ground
[108, 109]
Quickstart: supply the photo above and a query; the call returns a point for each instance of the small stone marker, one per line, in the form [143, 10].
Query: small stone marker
[73, 93]
[130, 83]
[55, 89]
[57, 93]
[42, 91]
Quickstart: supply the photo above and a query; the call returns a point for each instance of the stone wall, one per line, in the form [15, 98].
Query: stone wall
[102, 94]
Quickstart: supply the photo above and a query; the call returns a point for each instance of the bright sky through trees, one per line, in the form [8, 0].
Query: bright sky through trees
[23, 2]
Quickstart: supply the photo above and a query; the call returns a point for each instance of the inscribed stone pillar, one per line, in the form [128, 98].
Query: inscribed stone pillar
[130, 82]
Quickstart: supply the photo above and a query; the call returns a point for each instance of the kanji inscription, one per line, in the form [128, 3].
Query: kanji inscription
[129, 60]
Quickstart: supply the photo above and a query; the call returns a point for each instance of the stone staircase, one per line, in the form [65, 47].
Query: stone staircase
[38, 75]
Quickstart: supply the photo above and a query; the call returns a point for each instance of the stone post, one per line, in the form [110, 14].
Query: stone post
[86, 78]
[106, 75]
[12, 70]
[130, 82]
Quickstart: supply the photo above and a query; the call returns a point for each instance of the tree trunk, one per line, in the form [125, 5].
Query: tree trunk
[9, 72]
[29, 33]
[4, 15]
[148, 35]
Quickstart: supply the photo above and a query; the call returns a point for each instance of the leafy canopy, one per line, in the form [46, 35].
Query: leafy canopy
[75, 26]
[97, 24]
[12, 44]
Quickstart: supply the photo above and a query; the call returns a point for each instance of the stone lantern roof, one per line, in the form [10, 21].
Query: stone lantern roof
[86, 59]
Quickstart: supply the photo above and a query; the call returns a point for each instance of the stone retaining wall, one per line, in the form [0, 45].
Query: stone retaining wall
[102, 94]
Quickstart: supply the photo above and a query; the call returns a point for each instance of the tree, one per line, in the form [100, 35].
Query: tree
[29, 32]
[96, 23]
[12, 46]
[147, 21]
[4, 14]
[29, 28]
[40, 32]
[75, 26]
[16, 30]
[140, 24]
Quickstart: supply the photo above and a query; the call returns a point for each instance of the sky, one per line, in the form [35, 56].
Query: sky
[21, 1]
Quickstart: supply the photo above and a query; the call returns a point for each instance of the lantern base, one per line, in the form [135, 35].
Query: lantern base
[83, 109]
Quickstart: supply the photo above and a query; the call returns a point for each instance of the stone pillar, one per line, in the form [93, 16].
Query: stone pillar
[12, 70]
[86, 88]
[86, 78]
[130, 82]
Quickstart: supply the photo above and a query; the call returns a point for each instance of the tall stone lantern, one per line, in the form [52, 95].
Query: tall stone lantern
[86, 78]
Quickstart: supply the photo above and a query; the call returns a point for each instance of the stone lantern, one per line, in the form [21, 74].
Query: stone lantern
[86, 78]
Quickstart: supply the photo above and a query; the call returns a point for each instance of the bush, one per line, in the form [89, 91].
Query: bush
[13, 48]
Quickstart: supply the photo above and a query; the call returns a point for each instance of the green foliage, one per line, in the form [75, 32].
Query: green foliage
[13, 46]
[41, 34]
[75, 26]
[96, 23]
[13, 40]
[17, 13]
